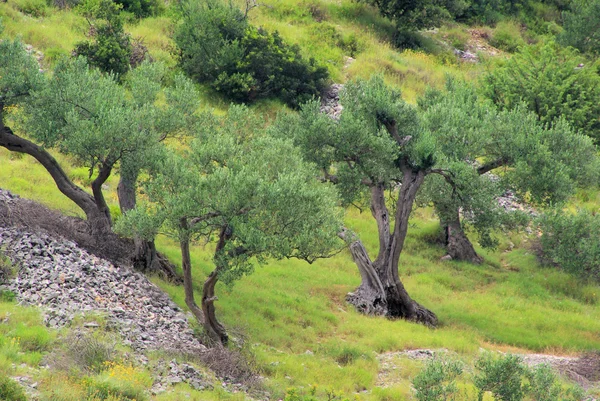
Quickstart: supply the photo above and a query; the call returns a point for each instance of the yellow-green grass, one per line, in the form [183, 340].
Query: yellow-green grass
[287, 308]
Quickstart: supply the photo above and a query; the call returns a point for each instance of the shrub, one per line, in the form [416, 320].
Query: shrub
[110, 48]
[10, 390]
[501, 375]
[582, 26]
[84, 352]
[35, 8]
[552, 83]
[140, 8]
[7, 270]
[507, 37]
[572, 241]
[219, 47]
[436, 381]
[544, 386]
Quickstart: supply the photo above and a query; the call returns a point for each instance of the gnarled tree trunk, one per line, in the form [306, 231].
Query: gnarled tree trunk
[212, 326]
[98, 219]
[188, 285]
[145, 257]
[381, 291]
[458, 244]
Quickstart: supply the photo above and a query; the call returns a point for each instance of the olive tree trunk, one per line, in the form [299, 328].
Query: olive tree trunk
[186, 264]
[97, 217]
[381, 291]
[145, 257]
[211, 325]
[457, 243]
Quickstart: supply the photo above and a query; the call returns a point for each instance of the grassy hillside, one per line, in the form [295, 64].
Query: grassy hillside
[292, 316]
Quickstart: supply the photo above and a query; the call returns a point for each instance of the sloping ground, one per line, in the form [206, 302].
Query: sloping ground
[67, 282]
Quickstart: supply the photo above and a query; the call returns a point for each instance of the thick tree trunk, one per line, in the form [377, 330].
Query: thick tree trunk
[458, 244]
[212, 326]
[186, 264]
[381, 290]
[145, 257]
[103, 175]
[97, 219]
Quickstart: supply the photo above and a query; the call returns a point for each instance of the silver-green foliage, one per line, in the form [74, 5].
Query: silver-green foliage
[543, 164]
[19, 72]
[572, 241]
[255, 186]
[437, 381]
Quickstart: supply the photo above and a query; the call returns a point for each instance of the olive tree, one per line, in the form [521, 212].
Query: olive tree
[381, 144]
[377, 144]
[251, 193]
[542, 164]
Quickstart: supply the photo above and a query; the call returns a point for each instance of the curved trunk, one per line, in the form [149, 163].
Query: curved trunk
[212, 326]
[381, 290]
[145, 257]
[186, 264]
[103, 175]
[97, 219]
[458, 244]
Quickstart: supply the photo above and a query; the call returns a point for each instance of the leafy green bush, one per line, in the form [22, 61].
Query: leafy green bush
[544, 386]
[582, 26]
[10, 390]
[219, 47]
[110, 48]
[501, 375]
[35, 8]
[436, 381]
[553, 82]
[140, 8]
[572, 241]
[507, 37]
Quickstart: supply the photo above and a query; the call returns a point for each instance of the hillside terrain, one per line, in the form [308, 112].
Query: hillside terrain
[76, 324]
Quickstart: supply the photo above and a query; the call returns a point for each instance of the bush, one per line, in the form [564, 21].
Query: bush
[10, 390]
[110, 48]
[572, 241]
[582, 26]
[507, 37]
[35, 8]
[219, 47]
[436, 381]
[544, 386]
[501, 375]
[552, 83]
[140, 8]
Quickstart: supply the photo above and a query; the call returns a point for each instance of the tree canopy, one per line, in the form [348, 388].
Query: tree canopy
[254, 194]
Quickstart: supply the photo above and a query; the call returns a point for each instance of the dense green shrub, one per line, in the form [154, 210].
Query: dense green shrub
[219, 47]
[582, 26]
[140, 8]
[545, 386]
[507, 37]
[10, 390]
[553, 82]
[437, 381]
[110, 48]
[35, 8]
[572, 241]
[501, 375]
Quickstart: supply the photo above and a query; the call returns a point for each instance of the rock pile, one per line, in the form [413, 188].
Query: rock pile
[65, 280]
[330, 101]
